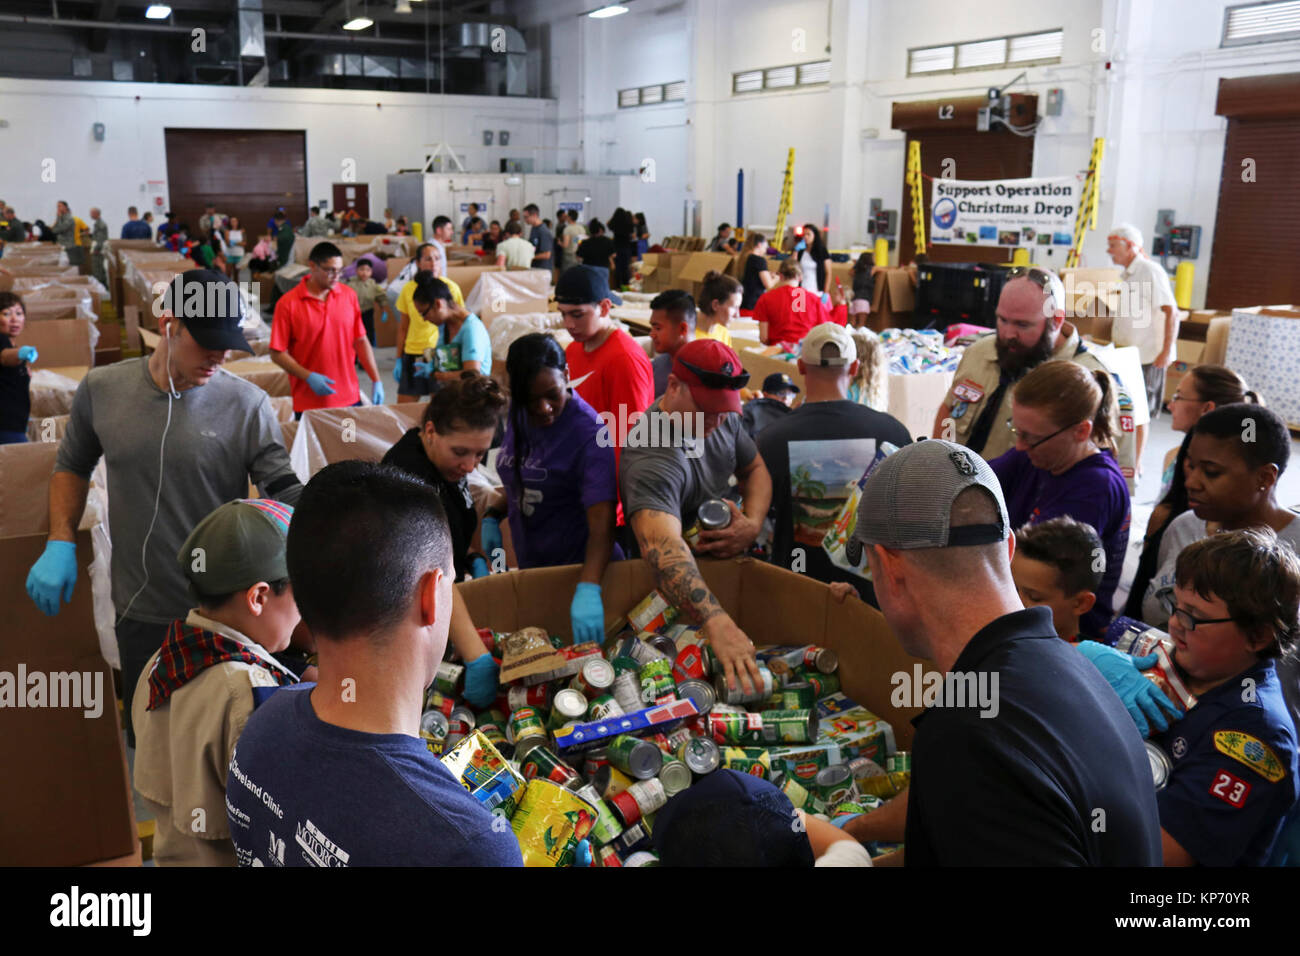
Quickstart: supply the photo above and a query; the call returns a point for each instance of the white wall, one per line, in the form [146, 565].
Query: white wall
[53, 119]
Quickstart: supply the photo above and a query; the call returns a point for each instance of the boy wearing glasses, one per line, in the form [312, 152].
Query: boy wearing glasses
[1234, 611]
[317, 335]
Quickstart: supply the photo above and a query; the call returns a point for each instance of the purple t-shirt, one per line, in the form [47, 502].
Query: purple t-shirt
[565, 472]
[1093, 491]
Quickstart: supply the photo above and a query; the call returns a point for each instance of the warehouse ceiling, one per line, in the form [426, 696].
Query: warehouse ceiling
[450, 46]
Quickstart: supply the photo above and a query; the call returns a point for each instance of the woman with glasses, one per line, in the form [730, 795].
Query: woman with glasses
[1235, 456]
[1234, 612]
[1064, 419]
[1203, 389]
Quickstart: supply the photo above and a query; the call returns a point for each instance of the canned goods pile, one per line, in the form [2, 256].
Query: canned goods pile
[595, 753]
[919, 350]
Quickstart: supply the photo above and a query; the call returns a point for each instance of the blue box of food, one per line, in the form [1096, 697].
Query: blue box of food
[652, 720]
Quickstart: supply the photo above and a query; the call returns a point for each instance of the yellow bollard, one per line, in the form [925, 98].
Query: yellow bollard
[1183, 276]
[1020, 256]
[417, 230]
[882, 252]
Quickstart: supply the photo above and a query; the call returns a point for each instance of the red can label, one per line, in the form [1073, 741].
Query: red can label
[689, 664]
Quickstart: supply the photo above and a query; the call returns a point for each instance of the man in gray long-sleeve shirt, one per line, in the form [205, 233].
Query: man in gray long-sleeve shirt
[213, 433]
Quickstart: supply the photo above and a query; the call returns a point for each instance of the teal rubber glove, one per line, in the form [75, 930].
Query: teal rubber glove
[1141, 698]
[840, 821]
[478, 568]
[53, 576]
[491, 537]
[320, 384]
[587, 613]
[423, 369]
[481, 681]
[27, 354]
[397, 371]
[377, 394]
[582, 854]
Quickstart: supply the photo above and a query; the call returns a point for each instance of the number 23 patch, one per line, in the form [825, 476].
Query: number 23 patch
[968, 391]
[1231, 790]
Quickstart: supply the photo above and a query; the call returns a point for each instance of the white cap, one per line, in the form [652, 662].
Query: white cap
[1128, 232]
[828, 333]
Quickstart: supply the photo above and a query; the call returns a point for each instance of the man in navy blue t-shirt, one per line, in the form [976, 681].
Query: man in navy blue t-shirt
[1024, 756]
[335, 773]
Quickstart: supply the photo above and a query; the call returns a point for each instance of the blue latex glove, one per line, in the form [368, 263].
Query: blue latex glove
[840, 821]
[481, 680]
[397, 371]
[491, 536]
[26, 353]
[320, 384]
[582, 854]
[478, 568]
[423, 369]
[377, 393]
[587, 613]
[1142, 698]
[53, 575]
[800, 246]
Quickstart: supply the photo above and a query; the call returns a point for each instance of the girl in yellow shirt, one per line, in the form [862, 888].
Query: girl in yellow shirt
[719, 304]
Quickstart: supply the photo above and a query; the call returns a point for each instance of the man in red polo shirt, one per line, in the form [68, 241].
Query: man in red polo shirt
[317, 335]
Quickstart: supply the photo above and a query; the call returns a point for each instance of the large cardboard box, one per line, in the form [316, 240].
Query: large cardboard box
[770, 604]
[893, 300]
[59, 342]
[467, 276]
[1260, 339]
[691, 274]
[65, 795]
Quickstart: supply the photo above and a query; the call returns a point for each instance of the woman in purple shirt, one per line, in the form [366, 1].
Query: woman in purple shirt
[1064, 417]
[557, 465]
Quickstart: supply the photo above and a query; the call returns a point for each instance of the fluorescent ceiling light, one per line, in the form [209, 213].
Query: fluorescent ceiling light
[612, 10]
[158, 11]
[358, 23]
[403, 6]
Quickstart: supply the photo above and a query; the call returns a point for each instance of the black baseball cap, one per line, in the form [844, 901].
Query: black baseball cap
[583, 285]
[211, 306]
[779, 382]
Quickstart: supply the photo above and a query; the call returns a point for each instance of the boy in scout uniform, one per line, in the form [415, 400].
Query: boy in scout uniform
[1031, 330]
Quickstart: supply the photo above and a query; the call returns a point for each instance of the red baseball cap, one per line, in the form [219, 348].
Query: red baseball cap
[713, 373]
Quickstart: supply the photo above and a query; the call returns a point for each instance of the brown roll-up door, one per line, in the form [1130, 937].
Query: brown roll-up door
[1256, 239]
[244, 172]
[997, 154]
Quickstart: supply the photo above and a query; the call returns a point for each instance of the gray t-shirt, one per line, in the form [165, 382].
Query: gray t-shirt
[667, 478]
[221, 435]
[1182, 531]
[543, 242]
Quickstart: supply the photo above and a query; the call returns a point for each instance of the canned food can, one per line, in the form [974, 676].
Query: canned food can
[742, 728]
[465, 715]
[437, 700]
[592, 761]
[798, 696]
[899, 762]
[663, 644]
[623, 665]
[689, 664]
[762, 692]
[568, 705]
[637, 835]
[605, 856]
[609, 780]
[449, 678]
[637, 649]
[433, 728]
[627, 691]
[549, 823]
[789, 726]
[606, 828]
[713, 514]
[453, 738]
[537, 697]
[1161, 765]
[603, 708]
[674, 775]
[641, 858]
[834, 785]
[799, 796]
[457, 728]
[754, 761]
[656, 681]
[699, 693]
[864, 768]
[639, 801]
[489, 638]
[824, 684]
[594, 679]
[1135, 637]
[525, 746]
[491, 716]
[495, 735]
[1166, 677]
[671, 742]
[822, 659]
[855, 807]
[542, 763]
[524, 723]
[701, 755]
[635, 757]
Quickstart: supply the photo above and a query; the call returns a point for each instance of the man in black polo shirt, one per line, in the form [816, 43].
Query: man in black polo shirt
[1036, 762]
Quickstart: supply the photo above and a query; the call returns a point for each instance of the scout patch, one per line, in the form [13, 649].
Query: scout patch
[1231, 790]
[1125, 401]
[968, 391]
[959, 409]
[1251, 751]
[1126, 422]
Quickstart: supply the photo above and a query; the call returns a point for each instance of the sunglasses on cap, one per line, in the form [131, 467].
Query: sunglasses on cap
[717, 379]
[1040, 277]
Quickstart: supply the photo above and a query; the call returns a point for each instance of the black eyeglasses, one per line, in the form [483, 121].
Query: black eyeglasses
[1028, 439]
[1186, 619]
[717, 379]
[1040, 277]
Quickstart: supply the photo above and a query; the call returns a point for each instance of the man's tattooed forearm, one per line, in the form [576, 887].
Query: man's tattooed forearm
[680, 580]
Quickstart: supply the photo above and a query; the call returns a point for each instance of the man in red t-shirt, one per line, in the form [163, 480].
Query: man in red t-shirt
[606, 366]
[317, 335]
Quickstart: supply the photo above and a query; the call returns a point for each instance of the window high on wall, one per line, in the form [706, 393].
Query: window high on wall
[1024, 49]
[650, 95]
[816, 73]
[1261, 23]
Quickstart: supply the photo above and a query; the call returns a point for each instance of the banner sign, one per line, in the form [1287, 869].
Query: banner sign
[1005, 212]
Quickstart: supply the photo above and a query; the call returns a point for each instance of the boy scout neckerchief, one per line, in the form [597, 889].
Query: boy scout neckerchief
[188, 650]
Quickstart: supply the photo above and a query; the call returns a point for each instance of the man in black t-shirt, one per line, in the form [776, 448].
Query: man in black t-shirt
[817, 454]
[1023, 756]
